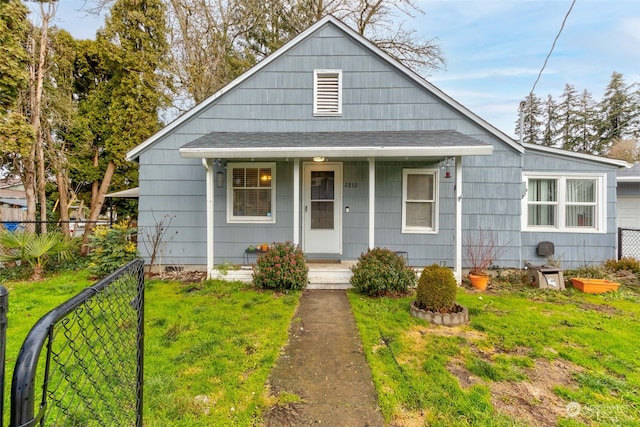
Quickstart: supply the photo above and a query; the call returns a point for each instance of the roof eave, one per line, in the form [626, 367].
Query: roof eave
[343, 152]
[590, 157]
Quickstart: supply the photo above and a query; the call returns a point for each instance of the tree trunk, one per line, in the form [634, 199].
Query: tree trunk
[36, 83]
[64, 201]
[98, 202]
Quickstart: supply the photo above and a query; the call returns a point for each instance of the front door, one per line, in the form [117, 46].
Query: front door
[322, 208]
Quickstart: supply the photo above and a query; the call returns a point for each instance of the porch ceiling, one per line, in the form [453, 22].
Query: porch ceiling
[355, 145]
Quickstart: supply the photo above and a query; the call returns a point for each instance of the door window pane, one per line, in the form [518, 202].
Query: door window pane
[321, 215]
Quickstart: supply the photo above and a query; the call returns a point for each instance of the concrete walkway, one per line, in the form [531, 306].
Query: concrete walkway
[324, 364]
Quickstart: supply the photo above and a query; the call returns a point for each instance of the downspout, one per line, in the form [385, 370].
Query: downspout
[208, 166]
[372, 201]
[457, 271]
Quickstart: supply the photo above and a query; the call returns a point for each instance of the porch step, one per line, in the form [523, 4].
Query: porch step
[321, 276]
[329, 278]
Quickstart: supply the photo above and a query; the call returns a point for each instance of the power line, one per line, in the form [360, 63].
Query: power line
[566, 16]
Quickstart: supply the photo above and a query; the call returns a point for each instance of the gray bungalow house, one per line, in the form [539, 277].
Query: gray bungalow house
[333, 145]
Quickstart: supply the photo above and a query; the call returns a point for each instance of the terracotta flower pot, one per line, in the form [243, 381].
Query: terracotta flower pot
[479, 281]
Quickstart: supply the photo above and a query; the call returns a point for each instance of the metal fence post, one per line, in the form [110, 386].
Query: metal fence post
[4, 308]
[619, 243]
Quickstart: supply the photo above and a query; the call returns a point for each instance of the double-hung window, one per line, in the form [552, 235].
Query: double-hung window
[565, 203]
[419, 201]
[251, 192]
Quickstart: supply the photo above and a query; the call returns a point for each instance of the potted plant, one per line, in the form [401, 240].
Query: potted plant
[481, 249]
[436, 297]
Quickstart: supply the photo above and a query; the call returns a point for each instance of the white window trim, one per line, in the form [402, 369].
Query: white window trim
[436, 201]
[250, 219]
[316, 111]
[600, 223]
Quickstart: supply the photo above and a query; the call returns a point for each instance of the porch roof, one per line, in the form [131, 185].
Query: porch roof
[358, 144]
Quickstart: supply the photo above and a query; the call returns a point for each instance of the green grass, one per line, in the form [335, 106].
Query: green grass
[209, 347]
[209, 350]
[507, 333]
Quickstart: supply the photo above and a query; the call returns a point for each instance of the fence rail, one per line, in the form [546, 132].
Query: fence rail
[91, 370]
[628, 243]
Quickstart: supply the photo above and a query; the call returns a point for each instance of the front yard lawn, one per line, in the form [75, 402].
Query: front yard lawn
[528, 357]
[209, 347]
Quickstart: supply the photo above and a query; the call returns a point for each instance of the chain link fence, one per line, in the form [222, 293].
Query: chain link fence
[82, 363]
[628, 243]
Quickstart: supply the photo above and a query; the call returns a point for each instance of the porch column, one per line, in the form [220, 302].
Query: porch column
[296, 201]
[457, 271]
[208, 165]
[372, 201]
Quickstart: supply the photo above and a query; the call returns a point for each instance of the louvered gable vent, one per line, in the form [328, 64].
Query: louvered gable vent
[327, 92]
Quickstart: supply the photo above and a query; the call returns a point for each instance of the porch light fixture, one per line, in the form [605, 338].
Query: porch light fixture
[219, 179]
[319, 159]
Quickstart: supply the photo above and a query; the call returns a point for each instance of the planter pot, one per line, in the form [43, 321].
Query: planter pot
[457, 316]
[594, 286]
[479, 281]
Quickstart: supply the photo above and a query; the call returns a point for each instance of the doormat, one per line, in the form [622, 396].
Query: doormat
[323, 261]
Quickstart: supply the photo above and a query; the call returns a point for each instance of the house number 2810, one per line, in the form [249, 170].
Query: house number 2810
[350, 185]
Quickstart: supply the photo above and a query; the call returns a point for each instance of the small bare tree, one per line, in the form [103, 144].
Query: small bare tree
[155, 238]
[482, 248]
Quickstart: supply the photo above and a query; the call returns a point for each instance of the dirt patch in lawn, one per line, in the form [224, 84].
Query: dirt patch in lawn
[532, 400]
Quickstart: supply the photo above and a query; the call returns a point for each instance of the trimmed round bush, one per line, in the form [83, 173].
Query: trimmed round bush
[282, 268]
[436, 289]
[380, 270]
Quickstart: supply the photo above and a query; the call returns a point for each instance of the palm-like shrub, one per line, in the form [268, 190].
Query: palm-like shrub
[283, 267]
[381, 270]
[436, 289]
[35, 249]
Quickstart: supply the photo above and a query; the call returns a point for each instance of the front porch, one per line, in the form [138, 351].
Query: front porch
[321, 275]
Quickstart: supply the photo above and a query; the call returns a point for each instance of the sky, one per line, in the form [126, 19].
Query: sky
[494, 49]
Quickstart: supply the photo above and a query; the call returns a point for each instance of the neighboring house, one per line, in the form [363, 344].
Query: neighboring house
[628, 205]
[12, 194]
[13, 203]
[629, 197]
[333, 145]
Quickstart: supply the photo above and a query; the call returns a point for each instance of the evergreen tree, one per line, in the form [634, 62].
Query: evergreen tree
[567, 119]
[586, 124]
[16, 133]
[550, 122]
[532, 120]
[619, 113]
[123, 110]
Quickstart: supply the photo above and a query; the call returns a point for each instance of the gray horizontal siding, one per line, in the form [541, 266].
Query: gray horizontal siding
[376, 97]
[573, 250]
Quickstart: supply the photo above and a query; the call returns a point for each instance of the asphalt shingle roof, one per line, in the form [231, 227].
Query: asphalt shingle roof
[436, 138]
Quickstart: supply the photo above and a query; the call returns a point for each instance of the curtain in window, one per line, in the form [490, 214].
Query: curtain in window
[543, 198]
[419, 201]
[581, 198]
[251, 191]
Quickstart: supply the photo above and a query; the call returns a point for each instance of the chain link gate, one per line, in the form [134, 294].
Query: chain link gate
[91, 372]
[628, 243]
